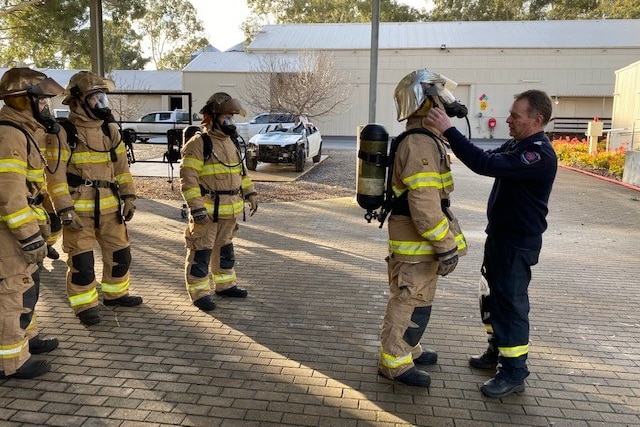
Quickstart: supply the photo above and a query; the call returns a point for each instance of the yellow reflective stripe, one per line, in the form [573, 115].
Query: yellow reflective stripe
[84, 298]
[33, 323]
[121, 149]
[87, 205]
[223, 278]
[13, 165]
[438, 232]
[225, 209]
[405, 247]
[59, 189]
[488, 328]
[12, 351]
[124, 178]
[423, 179]
[461, 242]
[191, 193]
[115, 288]
[220, 169]
[398, 191]
[201, 285]
[392, 362]
[516, 351]
[40, 213]
[246, 182]
[90, 157]
[447, 179]
[19, 218]
[54, 155]
[193, 163]
[35, 175]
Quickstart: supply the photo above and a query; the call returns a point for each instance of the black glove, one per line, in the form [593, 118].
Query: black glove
[447, 262]
[200, 216]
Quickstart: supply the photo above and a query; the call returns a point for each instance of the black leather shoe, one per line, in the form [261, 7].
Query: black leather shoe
[90, 316]
[428, 357]
[38, 345]
[125, 301]
[234, 292]
[414, 377]
[52, 253]
[30, 369]
[486, 360]
[501, 386]
[205, 303]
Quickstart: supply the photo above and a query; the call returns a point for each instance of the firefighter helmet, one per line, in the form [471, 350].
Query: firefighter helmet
[25, 81]
[416, 91]
[222, 103]
[85, 83]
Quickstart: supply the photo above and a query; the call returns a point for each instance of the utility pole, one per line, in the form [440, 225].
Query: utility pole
[96, 30]
[373, 65]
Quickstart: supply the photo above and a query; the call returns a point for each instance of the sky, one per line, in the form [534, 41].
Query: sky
[222, 19]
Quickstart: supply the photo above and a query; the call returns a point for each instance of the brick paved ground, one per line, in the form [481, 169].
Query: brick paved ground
[301, 350]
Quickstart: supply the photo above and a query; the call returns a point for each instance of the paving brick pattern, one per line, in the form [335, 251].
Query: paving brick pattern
[301, 349]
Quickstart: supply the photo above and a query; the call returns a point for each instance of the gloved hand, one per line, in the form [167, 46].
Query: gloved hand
[35, 250]
[200, 216]
[128, 208]
[253, 203]
[71, 219]
[447, 263]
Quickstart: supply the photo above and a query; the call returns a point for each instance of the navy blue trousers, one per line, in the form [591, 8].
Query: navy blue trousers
[508, 273]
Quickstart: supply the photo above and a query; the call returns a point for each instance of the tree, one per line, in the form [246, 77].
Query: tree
[174, 32]
[319, 11]
[306, 84]
[55, 34]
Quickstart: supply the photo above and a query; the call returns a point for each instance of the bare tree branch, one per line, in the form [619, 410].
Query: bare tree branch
[308, 84]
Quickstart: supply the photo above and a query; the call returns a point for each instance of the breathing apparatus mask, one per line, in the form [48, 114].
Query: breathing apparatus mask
[228, 127]
[98, 106]
[418, 91]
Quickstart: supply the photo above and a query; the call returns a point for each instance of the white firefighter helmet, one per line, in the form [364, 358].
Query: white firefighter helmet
[413, 91]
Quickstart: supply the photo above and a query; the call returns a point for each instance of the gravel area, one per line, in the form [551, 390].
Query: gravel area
[333, 177]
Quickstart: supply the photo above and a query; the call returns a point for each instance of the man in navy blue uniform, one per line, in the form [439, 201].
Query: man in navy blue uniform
[524, 169]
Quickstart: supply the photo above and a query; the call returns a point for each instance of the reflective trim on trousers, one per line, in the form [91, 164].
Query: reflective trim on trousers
[84, 298]
[222, 278]
[516, 351]
[13, 350]
[393, 362]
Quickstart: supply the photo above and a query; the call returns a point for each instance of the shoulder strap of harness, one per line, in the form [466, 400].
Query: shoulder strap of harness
[389, 196]
[207, 146]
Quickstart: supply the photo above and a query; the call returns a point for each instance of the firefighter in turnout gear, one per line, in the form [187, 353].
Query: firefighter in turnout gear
[425, 239]
[215, 186]
[93, 194]
[24, 119]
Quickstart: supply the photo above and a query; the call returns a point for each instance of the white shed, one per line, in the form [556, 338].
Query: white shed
[574, 61]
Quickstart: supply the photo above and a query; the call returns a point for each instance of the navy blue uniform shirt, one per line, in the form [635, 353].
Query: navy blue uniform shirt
[524, 173]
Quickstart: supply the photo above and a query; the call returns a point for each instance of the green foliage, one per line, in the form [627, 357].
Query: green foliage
[575, 152]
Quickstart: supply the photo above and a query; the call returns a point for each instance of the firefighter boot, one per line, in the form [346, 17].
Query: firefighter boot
[30, 369]
[502, 385]
[124, 301]
[414, 377]
[486, 360]
[428, 357]
[52, 253]
[205, 303]
[38, 345]
[234, 292]
[90, 316]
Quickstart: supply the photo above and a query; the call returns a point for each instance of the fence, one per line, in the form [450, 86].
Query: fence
[573, 126]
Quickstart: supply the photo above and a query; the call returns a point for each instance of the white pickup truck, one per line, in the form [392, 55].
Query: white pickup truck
[155, 125]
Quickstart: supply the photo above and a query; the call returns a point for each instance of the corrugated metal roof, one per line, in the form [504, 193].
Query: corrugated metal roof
[608, 33]
[153, 80]
[235, 62]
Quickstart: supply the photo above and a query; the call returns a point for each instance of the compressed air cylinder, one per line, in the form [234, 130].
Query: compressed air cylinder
[372, 166]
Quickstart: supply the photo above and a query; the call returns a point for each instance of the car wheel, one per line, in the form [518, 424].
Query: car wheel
[317, 157]
[252, 162]
[144, 140]
[301, 159]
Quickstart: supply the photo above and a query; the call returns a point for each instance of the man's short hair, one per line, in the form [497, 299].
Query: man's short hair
[539, 103]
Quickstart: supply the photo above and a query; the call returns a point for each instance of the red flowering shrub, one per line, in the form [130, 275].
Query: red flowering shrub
[575, 152]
